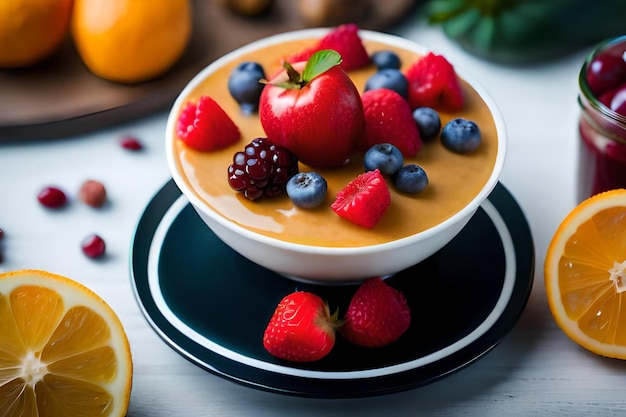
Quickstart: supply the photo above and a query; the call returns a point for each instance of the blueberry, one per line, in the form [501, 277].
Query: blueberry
[460, 135]
[391, 79]
[307, 189]
[386, 59]
[385, 157]
[244, 85]
[428, 122]
[411, 179]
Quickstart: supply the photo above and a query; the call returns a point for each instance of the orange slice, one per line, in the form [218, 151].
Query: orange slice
[585, 274]
[63, 351]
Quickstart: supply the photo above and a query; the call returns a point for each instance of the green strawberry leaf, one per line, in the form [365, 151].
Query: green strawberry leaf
[319, 63]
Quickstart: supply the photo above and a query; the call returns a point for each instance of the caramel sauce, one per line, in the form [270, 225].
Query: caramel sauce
[454, 179]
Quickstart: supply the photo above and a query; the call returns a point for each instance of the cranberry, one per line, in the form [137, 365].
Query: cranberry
[605, 72]
[93, 246]
[131, 143]
[52, 197]
[618, 101]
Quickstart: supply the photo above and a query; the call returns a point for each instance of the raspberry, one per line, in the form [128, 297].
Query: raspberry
[205, 126]
[434, 83]
[388, 119]
[52, 197]
[364, 200]
[343, 39]
[262, 168]
[93, 246]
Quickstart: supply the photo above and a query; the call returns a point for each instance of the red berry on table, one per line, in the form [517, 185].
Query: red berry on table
[378, 315]
[93, 246]
[301, 328]
[317, 113]
[205, 126]
[52, 197]
[433, 83]
[364, 200]
[346, 41]
[131, 143]
[389, 119]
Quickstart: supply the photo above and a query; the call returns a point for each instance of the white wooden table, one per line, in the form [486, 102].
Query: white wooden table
[536, 370]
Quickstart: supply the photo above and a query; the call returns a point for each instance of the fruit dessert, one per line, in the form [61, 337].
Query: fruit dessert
[603, 122]
[355, 142]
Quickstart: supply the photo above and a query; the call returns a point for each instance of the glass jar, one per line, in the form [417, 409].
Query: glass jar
[602, 131]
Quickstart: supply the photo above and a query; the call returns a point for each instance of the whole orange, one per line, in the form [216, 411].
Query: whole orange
[31, 30]
[130, 41]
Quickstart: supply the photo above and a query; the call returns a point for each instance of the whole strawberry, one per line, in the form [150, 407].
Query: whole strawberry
[316, 114]
[301, 328]
[389, 119]
[377, 315]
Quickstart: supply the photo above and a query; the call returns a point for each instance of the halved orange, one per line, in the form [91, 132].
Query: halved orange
[585, 274]
[63, 350]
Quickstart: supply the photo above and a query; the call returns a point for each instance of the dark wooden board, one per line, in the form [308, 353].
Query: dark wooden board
[61, 98]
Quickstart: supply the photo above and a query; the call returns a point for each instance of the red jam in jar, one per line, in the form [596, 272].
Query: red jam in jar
[602, 123]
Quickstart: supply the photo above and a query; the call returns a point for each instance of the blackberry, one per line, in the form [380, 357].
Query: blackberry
[262, 168]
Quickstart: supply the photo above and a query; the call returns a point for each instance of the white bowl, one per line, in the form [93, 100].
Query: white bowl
[332, 265]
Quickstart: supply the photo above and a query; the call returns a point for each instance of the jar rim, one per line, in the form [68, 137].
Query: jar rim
[591, 99]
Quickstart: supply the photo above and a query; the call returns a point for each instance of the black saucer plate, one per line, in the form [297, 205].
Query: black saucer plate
[211, 305]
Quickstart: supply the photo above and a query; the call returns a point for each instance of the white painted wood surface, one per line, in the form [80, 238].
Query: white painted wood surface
[536, 370]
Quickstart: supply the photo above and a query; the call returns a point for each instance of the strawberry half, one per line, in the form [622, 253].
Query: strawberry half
[434, 83]
[364, 200]
[346, 41]
[388, 118]
[301, 328]
[377, 315]
[205, 126]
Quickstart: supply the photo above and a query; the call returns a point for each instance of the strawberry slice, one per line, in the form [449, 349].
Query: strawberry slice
[378, 315]
[434, 83]
[301, 328]
[388, 118]
[346, 41]
[364, 200]
[205, 126]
